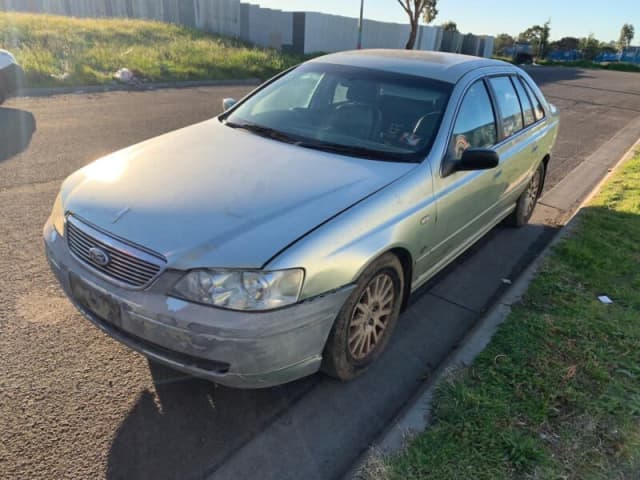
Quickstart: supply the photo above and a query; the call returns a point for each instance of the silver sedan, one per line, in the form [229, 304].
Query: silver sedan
[285, 235]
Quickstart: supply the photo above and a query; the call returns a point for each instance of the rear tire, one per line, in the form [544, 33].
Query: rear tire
[366, 321]
[526, 204]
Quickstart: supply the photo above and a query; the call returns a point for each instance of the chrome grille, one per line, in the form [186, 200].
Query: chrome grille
[127, 264]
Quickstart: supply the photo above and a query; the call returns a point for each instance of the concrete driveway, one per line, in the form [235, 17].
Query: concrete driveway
[75, 404]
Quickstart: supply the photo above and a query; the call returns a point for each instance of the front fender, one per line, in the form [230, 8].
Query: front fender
[338, 252]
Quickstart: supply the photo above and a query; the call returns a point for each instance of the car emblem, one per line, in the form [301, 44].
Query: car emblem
[99, 256]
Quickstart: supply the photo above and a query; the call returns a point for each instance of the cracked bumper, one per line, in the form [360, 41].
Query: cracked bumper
[236, 349]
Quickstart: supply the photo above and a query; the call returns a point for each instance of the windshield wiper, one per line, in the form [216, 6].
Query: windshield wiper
[350, 150]
[262, 131]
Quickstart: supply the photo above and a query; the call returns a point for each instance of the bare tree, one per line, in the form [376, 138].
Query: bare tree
[415, 10]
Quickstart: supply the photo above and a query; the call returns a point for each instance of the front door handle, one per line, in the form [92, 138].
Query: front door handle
[534, 149]
[497, 174]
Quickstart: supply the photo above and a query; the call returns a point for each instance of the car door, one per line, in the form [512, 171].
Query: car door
[517, 147]
[466, 201]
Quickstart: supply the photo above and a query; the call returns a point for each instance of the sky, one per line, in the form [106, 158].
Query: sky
[575, 18]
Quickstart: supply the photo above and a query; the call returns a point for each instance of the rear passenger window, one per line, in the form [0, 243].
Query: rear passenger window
[475, 126]
[508, 104]
[537, 107]
[527, 108]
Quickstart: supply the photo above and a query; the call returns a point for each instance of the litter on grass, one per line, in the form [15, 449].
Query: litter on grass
[124, 75]
[604, 299]
[61, 76]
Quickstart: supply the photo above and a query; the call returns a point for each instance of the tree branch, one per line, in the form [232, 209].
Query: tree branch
[407, 8]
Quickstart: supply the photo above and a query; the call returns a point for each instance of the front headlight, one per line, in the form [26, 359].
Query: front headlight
[234, 290]
[57, 215]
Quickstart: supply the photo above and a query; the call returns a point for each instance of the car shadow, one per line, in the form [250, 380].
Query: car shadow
[16, 130]
[187, 427]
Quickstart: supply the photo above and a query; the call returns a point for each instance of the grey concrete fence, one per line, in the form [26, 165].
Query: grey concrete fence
[300, 32]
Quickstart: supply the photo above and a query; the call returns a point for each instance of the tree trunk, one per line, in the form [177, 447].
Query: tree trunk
[412, 36]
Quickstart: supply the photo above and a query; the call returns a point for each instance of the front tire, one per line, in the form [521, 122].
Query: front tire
[528, 200]
[366, 321]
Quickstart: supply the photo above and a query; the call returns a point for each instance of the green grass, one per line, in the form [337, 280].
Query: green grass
[556, 395]
[56, 51]
[615, 66]
[620, 67]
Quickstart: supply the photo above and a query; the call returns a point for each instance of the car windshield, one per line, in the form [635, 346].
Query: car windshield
[348, 110]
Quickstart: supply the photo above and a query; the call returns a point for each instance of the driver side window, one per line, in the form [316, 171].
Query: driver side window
[475, 125]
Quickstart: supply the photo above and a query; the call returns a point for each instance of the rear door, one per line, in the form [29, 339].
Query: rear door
[517, 147]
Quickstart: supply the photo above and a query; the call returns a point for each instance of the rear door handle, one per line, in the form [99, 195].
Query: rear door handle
[534, 149]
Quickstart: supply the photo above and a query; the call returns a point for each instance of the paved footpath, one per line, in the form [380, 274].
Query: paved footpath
[75, 404]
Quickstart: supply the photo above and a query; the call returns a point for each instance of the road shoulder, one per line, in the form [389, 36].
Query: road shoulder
[139, 87]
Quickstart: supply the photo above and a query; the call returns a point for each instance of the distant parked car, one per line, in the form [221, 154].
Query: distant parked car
[11, 75]
[286, 234]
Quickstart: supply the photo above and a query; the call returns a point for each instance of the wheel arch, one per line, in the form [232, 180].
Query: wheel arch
[545, 162]
[406, 262]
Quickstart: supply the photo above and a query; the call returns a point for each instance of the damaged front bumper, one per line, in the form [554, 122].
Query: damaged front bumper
[236, 349]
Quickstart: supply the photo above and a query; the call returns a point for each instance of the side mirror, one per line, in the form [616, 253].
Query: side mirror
[227, 103]
[472, 159]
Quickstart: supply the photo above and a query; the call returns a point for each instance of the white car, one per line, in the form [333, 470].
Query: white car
[11, 75]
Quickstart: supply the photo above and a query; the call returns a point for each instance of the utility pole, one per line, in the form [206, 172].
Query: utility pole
[360, 25]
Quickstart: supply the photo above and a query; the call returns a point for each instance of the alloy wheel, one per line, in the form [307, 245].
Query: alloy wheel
[370, 316]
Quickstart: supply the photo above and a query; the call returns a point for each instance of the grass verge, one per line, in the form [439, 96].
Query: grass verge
[556, 395]
[62, 51]
[615, 66]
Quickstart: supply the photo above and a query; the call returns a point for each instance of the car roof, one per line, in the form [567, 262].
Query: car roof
[443, 66]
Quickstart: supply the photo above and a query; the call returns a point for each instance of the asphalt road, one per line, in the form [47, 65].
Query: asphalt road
[75, 404]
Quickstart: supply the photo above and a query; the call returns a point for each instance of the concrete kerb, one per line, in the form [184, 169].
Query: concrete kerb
[143, 87]
[416, 416]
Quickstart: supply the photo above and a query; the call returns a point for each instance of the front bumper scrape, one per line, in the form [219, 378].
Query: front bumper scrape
[236, 349]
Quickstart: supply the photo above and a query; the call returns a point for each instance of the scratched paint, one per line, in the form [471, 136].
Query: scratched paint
[174, 305]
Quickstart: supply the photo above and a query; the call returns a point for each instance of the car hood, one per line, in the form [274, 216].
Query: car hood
[212, 196]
